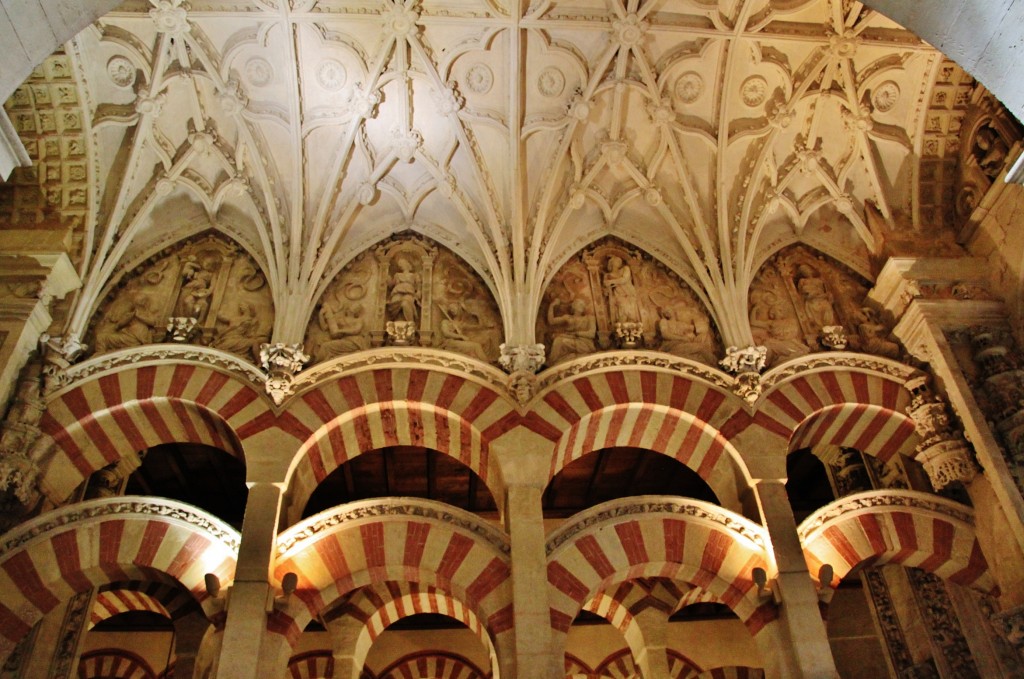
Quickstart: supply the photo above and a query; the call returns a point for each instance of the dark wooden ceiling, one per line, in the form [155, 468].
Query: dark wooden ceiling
[205, 477]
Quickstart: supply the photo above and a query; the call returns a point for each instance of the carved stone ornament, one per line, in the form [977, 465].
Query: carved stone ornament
[282, 362]
[19, 434]
[181, 328]
[833, 337]
[521, 358]
[406, 291]
[943, 452]
[400, 333]
[746, 364]
[629, 335]
[614, 296]
[208, 279]
[1010, 624]
[802, 302]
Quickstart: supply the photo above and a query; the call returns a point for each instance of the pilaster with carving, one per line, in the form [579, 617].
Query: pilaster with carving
[944, 453]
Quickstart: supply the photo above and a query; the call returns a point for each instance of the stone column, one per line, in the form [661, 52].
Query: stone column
[189, 632]
[344, 632]
[524, 521]
[247, 651]
[800, 641]
[939, 304]
[652, 660]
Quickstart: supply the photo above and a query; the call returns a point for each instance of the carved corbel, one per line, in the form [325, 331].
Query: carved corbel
[745, 365]
[522, 362]
[282, 362]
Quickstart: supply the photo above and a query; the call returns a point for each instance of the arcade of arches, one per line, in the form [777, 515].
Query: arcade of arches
[463, 339]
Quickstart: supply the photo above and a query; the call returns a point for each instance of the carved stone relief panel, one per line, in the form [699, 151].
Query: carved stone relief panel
[205, 291]
[802, 302]
[611, 296]
[406, 291]
[986, 137]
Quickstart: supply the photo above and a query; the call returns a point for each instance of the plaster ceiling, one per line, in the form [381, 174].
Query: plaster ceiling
[709, 133]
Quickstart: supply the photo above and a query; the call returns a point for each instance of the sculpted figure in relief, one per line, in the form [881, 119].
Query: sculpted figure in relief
[241, 335]
[129, 321]
[194, 300]
[455, 329]
[573, 331]
[775, 329]
[687, 333]
[345, 325]
[404, 295]
[623, 301]
[817, 299]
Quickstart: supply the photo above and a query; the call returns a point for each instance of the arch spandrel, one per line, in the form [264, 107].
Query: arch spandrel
[206, 290]
[406, 291]
[612, 295]
[801, 302]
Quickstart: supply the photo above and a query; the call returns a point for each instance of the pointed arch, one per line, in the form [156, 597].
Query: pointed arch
[70, 550]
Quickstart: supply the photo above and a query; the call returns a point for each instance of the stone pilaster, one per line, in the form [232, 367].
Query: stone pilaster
[938, 304]
[58, 641]
[189, 632]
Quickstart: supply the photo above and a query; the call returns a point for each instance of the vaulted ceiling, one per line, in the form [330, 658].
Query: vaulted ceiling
[708, 132]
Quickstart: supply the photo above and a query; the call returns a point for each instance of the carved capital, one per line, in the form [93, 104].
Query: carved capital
[181, 328]
[746, 364]
[629, 335]
[18, 476]
[833, 337]
[401, 333]
[947, 462]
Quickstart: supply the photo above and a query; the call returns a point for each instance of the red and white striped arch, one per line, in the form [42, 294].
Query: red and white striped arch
[694, 542]
[161, 598]
[789, 403]
[661, 429]
[734, 672]
[380, 605]
[100, 421]
[374, 409]
[433, 664]
[570, 400]
[113, 663]
[905, 527]
[67, 551]
[361, 543]
[871, 429]
[311, 665]
[619, 604]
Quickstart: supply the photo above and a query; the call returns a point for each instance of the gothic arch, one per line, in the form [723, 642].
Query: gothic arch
[685, 540]
[70, 550]
[446, 412]
[416, 541]
[897, 526]
[103, 420]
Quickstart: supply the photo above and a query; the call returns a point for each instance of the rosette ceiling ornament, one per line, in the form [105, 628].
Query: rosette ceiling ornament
[710, 134]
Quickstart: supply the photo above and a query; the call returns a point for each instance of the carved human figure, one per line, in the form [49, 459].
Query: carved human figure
[242, 334]
[574, 331]
[344, 324]
[873, 335]
[454, 326]
[129, 322]
[990, 150]
[404, 296]
[622, 296]
[686, 333]
[774, 329]
[817, 300]
[194, 299]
